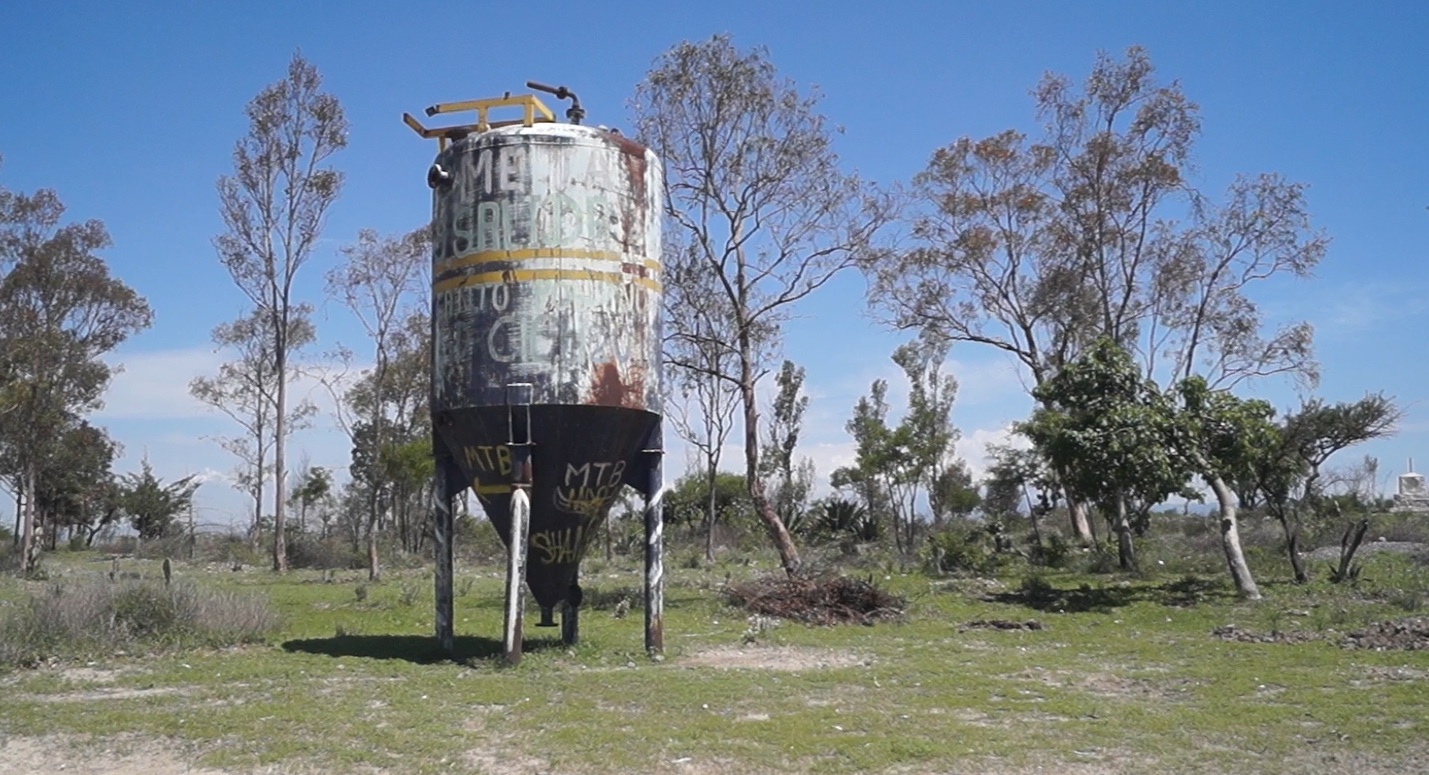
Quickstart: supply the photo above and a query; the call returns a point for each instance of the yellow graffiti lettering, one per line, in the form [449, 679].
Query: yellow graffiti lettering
[489, 459]
[555, 547]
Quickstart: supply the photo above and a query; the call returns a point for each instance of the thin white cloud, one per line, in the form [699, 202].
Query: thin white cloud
[155, 385]
[973, 447]
[1356, 308]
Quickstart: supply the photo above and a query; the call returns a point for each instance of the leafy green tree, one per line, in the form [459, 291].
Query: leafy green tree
[62, 312]
[1012, 477]
[952, 494]
[273, 207]
[687, 501]
[152, 505]
[1112, 435]
[313, 491]
[408, 469]
[75, 489]
[754, 191]
[399, 397]
[1286, 475]
[876, 452]
[1222, 438]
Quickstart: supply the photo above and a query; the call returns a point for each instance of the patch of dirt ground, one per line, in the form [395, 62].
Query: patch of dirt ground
[135, 755]
[774, 658]
[123, 756]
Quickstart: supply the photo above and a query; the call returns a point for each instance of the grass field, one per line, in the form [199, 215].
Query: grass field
[1125, 675]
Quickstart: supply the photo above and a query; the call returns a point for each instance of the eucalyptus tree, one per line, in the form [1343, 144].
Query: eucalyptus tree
[62, 313]
[899, 464]
[273, 206]
[754, 187]
[699, 348]
[380, 282]
[788, 480]
[312, 494]
[381, 414]
[245, 390]
[1038, 246]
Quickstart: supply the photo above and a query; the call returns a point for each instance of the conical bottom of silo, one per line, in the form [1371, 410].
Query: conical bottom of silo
[581, 458]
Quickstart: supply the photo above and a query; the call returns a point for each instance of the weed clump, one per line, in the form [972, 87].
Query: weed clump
[832, 600]
[69, 620]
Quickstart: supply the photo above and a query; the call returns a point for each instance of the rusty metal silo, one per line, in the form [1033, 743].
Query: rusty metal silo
[546, 344]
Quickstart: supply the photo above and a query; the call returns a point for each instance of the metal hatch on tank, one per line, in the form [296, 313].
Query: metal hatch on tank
[545, 345]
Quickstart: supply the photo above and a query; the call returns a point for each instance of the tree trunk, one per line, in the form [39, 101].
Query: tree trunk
[1230, 540]
[258, 484]
[1081, 526]
[280, 439]
[374, 568]
[29, 549]
[1292, 543]
[897, 526]
[710, 513]
[1125, 549]
[609, 549]
[1032, 516]
[778, 533]
[19, 514]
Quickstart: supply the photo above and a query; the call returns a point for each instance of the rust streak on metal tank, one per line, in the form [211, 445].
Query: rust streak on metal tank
[609, 389]
[636, 168]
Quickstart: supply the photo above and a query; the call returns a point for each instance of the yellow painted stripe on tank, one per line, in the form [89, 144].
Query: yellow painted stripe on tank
[527, 275]
[491, 256]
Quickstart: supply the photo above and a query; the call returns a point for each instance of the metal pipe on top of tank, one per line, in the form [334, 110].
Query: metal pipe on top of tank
[575, 112]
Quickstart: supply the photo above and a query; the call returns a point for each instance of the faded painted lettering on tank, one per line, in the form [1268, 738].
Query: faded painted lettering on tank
[553, 221]
[516, 196]
[514, 339]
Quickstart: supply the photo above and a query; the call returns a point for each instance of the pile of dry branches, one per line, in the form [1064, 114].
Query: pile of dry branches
[832, 600]
[1408, 634]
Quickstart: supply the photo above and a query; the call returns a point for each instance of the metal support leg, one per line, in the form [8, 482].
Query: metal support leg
[570, 616]
[654, 556]
[516, 573]
[518, 430]
[446, 639]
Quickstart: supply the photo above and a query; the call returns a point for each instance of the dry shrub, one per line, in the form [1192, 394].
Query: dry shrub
[832, 600]
[98, 617]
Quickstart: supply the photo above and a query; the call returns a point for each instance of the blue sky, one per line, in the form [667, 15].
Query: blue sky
[130, 111]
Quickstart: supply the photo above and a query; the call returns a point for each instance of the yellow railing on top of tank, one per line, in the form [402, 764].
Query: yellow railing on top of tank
[532, 111]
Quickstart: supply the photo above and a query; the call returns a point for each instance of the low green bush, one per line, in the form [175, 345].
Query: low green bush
[1053, 552]
[969, 548]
